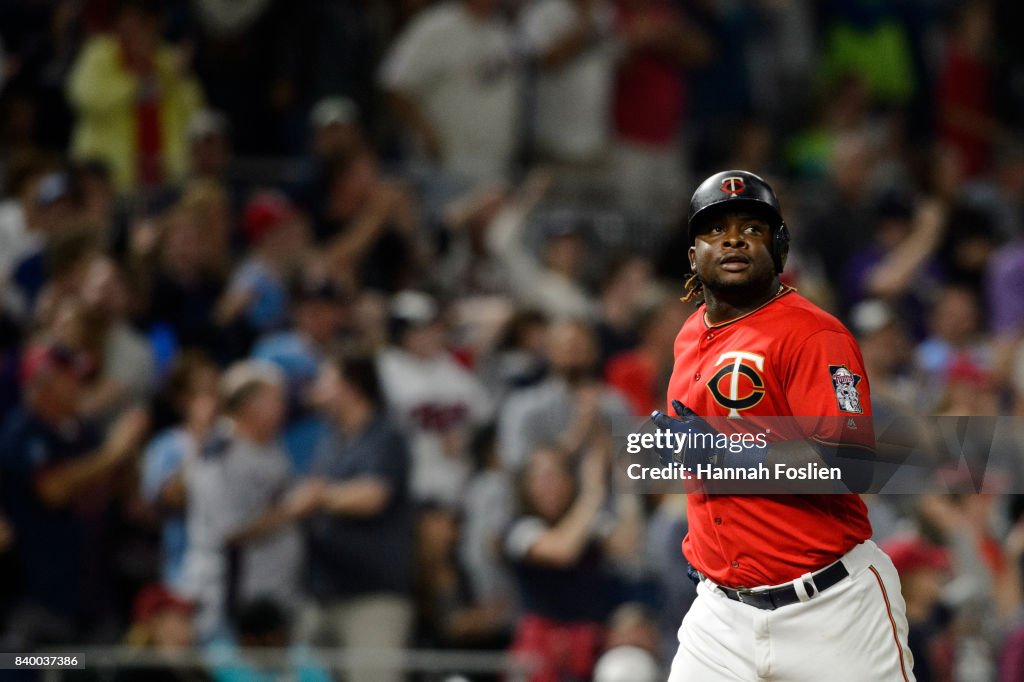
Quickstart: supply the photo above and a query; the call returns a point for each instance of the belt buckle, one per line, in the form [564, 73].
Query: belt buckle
[740, 591]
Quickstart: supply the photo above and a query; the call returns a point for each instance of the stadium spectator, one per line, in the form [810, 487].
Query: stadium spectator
[963, 97]
[55, 220]
[887, 350]
[517, 358]
[641, 374]
[953, 336]
[361, 538]
[257, 293]
[626, 290]
[134, 96]
[191, 390]
[901, 260]
[178, 279]
[161, 627]
[20, 232]
[368, 225]
[318, 315]
[556, 546]
[486, 510]
[126, 371]
[632, 646]
[453, 83]
[570, 408]
[649, 102]
[451, 614]
[52, 462]
[435, 400]
[553, 282]
[262, 624]
[209, 147]
[924, 569]
[242, 507]
[572, 42]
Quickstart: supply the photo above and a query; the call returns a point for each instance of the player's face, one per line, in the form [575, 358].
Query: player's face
[732, 251]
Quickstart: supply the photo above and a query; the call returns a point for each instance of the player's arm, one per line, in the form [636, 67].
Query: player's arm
[827, 381]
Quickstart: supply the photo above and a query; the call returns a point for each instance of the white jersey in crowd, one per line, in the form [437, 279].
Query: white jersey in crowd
[230, 483]
[433, 399]
[461, 71]
[573, 106]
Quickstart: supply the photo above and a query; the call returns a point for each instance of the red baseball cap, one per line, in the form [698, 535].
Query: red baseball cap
[264, 213]
[914, 554]
[42, 357]
[963, 370]
[156, 598]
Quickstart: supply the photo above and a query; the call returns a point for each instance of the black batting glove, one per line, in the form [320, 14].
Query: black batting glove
[688, 423]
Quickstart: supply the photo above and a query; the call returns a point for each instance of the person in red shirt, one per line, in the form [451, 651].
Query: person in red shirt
[789, 584]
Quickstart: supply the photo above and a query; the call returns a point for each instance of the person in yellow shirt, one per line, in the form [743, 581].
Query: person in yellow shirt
[133, 96]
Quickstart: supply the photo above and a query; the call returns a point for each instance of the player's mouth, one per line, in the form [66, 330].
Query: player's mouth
[734, 263]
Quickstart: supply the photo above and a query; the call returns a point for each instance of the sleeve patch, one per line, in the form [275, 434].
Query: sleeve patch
[845, 383]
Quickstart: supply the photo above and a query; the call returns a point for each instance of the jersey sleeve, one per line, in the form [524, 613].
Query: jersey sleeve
[827, 390]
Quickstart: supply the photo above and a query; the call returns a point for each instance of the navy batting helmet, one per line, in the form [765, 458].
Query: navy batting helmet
[738, 189]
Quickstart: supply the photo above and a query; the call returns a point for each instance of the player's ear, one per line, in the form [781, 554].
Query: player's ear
[692, 254]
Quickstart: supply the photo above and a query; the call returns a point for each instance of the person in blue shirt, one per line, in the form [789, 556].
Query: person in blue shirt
[192, 389]
[319, 313]
[50, 462]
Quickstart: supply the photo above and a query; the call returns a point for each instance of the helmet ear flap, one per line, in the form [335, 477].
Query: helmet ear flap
[780, 247]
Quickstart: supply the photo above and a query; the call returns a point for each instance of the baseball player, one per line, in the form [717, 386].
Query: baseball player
[789, 586]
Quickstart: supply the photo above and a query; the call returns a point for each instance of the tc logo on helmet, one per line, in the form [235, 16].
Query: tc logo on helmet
[733, 185]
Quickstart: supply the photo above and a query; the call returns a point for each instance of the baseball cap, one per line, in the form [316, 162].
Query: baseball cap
[414, 307]
[963, 370]
[318, 289]
[331, 110]
[40, 358]
[155, 598]
[206, 122]
[870, 316]
[52, 188]
[242, 377]
[627, 664]
[914, 554]
[264, 213]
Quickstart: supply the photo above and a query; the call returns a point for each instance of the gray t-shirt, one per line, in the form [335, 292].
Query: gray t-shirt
[230, 484]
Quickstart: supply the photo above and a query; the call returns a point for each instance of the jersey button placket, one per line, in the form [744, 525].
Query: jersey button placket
[718, 520]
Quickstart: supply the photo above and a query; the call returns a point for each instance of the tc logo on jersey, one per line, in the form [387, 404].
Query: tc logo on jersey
[845, 382]
[739, 385]
[733, 185]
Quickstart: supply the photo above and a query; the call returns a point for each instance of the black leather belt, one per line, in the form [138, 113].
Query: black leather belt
[777, 597]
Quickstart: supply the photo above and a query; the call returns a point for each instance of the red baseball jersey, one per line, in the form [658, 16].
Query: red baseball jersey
[787, 358]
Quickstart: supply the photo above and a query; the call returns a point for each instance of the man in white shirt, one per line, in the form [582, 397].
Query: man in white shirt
[571, 41]
[437, 401]
[454, 83]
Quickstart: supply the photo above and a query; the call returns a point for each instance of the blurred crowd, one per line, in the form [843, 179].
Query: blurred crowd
[315, 316]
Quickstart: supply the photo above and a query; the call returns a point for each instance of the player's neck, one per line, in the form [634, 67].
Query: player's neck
[722, 306]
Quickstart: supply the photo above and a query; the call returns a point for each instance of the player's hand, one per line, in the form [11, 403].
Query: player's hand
[687, 422]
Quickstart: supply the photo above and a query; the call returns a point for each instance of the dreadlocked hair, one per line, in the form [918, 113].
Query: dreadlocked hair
[694, 289]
